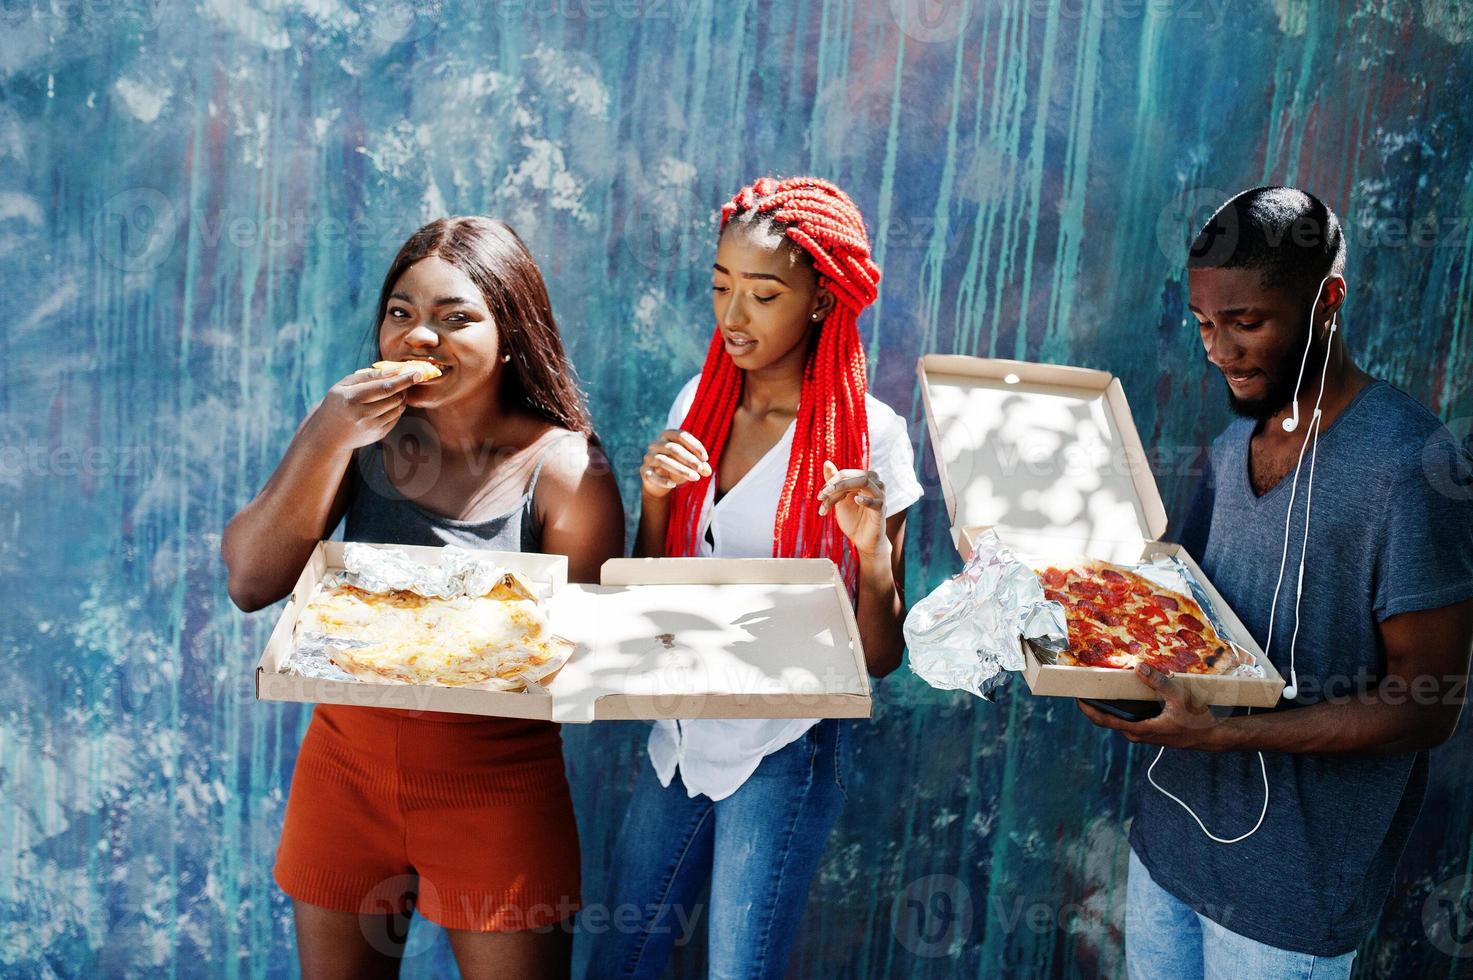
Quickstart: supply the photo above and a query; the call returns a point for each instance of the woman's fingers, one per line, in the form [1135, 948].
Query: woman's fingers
[388, 406]
[686, 457]
[674, 458]
[864, 486]
[658, 480]
[689, 442]
[674, 469]
[378, 389]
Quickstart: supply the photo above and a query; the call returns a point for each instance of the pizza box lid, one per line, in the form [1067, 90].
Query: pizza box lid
[1046, 453]
[657, 638]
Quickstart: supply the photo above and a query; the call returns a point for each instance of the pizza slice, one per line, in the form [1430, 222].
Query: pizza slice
[1119, 619]
[426, 370]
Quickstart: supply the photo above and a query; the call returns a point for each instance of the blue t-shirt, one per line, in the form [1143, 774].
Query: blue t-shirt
[1392, 532]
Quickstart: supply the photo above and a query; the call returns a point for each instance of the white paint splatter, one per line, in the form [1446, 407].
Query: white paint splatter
[251, 23]
[1452, 20]
[22, 208]
[143, 100]
[582, 88]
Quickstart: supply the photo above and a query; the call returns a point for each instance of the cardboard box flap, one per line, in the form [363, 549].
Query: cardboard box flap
[1041, 451]
[768, 634]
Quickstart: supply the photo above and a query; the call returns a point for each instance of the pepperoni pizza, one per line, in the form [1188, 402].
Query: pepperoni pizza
[1117, 618]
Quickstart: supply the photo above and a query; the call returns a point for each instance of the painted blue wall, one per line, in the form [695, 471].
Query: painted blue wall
[197, 200]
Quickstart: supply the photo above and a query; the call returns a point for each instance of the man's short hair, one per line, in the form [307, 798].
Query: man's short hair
[1288, 235]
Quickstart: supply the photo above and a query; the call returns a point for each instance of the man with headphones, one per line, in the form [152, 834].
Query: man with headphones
[1264, 842]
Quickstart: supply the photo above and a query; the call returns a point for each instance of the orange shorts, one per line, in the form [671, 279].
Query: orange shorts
[463, 819]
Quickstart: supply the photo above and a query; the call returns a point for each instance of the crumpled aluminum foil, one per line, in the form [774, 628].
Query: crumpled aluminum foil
[965, 633]
[461, 573]
[310, 657]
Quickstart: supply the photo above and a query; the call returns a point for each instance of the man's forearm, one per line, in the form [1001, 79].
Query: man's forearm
[1373, 723]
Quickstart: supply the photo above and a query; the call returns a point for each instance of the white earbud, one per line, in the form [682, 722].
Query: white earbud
[1290, 424]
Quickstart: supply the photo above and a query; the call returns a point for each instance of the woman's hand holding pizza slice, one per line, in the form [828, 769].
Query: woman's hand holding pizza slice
[363, 407]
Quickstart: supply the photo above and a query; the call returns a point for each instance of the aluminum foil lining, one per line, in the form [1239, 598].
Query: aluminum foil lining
[461, 572]
[964, 635]
[310, 657]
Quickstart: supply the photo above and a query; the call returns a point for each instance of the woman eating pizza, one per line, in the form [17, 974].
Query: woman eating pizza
[465, 819]
[775, 449]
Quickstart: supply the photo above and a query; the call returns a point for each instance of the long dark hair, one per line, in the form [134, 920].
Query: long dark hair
[540, 376]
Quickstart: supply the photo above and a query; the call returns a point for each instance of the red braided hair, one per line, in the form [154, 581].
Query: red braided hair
[832, 421]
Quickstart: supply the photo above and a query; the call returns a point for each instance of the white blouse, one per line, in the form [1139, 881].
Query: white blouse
[716, 755]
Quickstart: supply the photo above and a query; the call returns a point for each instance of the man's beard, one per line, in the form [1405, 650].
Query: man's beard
[1281, 388]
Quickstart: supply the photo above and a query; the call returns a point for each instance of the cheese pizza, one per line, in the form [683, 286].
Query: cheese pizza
[1119, 619]
[494, 641]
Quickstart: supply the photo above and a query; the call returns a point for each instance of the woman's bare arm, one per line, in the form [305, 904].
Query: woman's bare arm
[266, 544]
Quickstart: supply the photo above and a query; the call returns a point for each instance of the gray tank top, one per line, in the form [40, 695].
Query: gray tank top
[378, 512]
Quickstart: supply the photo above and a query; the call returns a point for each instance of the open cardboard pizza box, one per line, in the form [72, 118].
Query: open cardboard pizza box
[658, 638]
[1048, 457]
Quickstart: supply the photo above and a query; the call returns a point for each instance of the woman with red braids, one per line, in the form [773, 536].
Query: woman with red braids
[775, 449]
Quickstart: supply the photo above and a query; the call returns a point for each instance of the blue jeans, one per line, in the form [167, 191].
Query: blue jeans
[1166, 939]
[758, 847]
